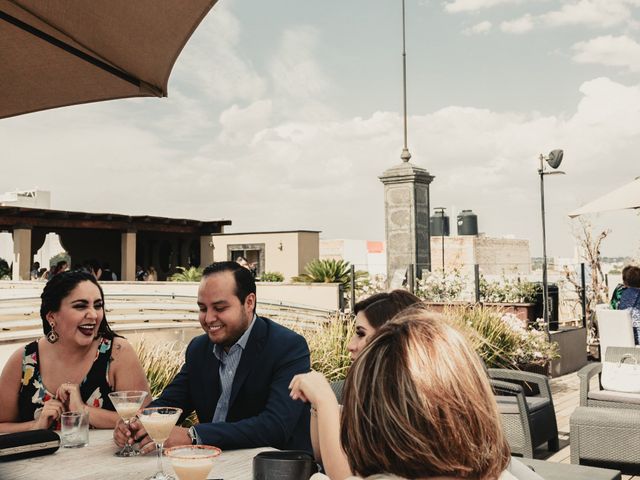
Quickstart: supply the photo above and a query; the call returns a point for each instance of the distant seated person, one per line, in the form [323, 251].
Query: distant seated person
[34, 270]
[94, 268]
[141, 273]
[74, 366]
[108, 275]
[236, 376]
[418, 405]
[617, 292]
[152, 275]
[61, 266]
[630, 297]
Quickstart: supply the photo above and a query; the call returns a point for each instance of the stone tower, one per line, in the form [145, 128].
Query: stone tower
[406, 204]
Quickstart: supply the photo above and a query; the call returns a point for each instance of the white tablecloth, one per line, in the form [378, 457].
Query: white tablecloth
[97, 461]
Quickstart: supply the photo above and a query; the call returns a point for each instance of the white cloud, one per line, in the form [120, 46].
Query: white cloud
[589, 13]
[519, 25]
[211, 66]
[239, 125]
[620, 51]
[294, 68]
[592, 13]
[478, 28]
[458, 6]
[264, 173]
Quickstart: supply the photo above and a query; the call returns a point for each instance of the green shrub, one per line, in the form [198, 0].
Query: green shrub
[502, 340]
[436, 287]
[191, 274]
[508, 291]
[328, 346]
[60, 257]
[272, 277]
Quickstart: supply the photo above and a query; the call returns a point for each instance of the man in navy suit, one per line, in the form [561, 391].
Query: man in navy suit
[235, 377]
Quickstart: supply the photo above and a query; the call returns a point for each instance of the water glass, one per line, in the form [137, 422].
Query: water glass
[74, 429]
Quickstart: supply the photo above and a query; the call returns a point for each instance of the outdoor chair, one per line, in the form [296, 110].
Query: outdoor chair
[527, 420]
[598, 397]
[606, 436]
[337, 388]
[614, 329]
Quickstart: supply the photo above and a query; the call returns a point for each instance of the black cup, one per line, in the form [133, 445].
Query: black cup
[283, 465]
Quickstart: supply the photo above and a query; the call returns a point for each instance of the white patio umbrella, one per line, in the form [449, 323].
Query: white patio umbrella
[625, 197]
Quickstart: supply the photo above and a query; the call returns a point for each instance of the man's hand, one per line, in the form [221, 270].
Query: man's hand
[131, 434]
[179, 436]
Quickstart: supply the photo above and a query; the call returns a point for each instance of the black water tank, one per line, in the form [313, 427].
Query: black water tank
[439, 226]
[467, 223]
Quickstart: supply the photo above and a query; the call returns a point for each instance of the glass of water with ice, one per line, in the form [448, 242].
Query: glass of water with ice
[74, 429]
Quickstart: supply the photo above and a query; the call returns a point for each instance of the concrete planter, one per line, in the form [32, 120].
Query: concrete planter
[572, 346]
[524, 311]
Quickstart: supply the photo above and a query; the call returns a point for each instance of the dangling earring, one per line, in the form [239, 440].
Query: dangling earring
[52, 336]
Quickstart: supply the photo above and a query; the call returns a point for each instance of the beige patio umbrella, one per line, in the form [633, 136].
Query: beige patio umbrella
[67, 52]
[625, 197]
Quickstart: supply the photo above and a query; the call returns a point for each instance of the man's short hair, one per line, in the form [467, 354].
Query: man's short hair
[245, 283]
[631, 276]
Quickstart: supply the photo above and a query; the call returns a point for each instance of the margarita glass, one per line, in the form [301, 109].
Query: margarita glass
[192, 462]
[158, 422]
[127, 403]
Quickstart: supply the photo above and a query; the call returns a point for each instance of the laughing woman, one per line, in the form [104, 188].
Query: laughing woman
[74, 366]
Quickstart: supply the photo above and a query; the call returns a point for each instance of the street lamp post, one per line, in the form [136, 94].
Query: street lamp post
[441, 210]
[553, 159]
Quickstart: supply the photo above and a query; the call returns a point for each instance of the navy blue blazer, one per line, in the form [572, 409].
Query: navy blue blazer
[261, 413]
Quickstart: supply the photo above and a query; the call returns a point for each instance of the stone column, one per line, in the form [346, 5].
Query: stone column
[22, 253]
[128, 256]
[206, 250]
[406, 204]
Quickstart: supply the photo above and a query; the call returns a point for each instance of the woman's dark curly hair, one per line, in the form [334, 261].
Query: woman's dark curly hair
[59, 287]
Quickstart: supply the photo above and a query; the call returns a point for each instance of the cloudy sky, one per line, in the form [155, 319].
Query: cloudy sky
[282, 115]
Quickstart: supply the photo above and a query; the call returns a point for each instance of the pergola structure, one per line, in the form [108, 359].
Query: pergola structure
[123, 241]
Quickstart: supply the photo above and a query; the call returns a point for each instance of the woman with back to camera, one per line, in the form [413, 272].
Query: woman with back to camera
[78, 362]
[418, 405]
[371, 314]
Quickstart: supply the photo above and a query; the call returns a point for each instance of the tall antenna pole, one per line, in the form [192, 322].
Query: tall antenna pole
[405, 155]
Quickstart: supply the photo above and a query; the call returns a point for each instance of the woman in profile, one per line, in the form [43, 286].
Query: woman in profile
[74, 366]
[418, 405]
[371, 314]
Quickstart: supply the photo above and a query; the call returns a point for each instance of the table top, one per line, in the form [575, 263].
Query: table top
[97, 461]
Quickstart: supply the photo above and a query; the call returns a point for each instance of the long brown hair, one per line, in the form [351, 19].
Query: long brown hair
[382, 307]
[418, 404]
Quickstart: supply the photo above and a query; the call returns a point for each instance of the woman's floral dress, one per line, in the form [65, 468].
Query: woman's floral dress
[94, 389]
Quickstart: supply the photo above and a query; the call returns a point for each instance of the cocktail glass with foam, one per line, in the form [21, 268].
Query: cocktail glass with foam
[192, 462]
[158, 422]
[127, 403]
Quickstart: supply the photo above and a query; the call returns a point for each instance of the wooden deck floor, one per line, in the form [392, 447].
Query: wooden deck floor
[566, 397]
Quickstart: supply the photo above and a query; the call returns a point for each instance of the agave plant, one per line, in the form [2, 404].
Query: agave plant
[272, 277]
[191, 274]
[330, 271]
